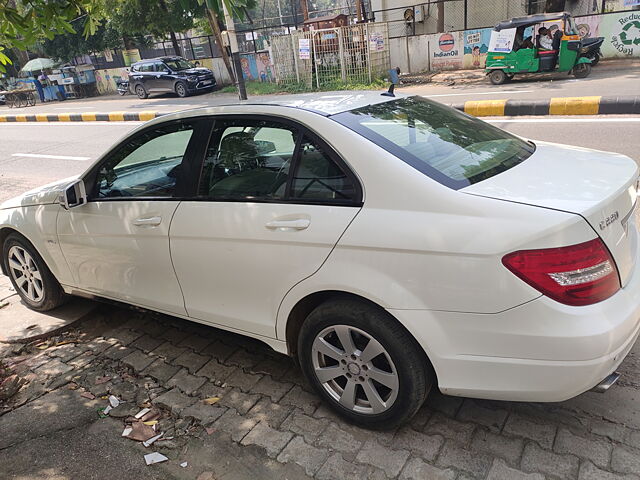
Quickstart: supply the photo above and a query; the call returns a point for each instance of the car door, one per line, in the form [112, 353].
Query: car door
[142, 75]
[163, 78]
[272, 202]
[117, 245]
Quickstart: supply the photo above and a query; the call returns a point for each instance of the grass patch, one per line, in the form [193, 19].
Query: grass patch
[267, 88]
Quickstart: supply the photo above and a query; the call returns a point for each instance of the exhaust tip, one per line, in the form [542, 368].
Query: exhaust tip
[606, 384]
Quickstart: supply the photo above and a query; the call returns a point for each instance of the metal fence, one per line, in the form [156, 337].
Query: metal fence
[350, 54]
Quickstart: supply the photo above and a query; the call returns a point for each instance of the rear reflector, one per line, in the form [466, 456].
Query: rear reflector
[576, 275]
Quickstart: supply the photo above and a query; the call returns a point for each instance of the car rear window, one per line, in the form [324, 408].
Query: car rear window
[445, 144]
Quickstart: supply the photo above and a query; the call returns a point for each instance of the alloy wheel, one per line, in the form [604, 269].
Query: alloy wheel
[355, 369]
[25, 273]
[181, 90]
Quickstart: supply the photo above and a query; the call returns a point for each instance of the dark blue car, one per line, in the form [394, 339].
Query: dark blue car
[169, 75]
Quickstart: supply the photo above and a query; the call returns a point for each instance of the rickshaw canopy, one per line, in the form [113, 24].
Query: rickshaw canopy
[531, 20]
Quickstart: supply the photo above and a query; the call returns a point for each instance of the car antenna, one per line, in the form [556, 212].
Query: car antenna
[394, 74]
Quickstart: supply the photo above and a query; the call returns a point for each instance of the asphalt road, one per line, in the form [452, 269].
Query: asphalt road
[32, 154]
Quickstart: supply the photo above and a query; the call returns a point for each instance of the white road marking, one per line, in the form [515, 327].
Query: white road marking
[500, 92]
[51, 157]
[564, 120]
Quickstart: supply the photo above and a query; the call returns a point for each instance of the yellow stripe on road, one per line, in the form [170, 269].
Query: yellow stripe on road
[574, 106]
[21, 118]
[88, 117]
[485, 108]
[42, 117]
[116, 116]
[3, 118]
[64, 117]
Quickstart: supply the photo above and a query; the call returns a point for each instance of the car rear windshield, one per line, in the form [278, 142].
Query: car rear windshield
[445, 144]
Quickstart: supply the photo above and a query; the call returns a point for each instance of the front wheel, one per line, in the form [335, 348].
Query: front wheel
[364, 363]
[30, 276]
[582, 70]
[497, 77]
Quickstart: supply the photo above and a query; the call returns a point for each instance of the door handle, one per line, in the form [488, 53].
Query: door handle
[147, 222]
[299, 224]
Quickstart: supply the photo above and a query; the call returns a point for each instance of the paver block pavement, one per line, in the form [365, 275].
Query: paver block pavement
[242, 402]
[307, 456]
[235, 425]
[191, 361]
[161, 371]
[508, 448]
[308, 427]
[596, 450]
[588, 471]
[535, 459]
[449, 428]
[174, 400]
[186, 382]
[390, 461]
[501, 471]
[625, 460]
[204, 413]
[137, 360]
[272, 440]
[543, 433]
[426, 446]
[416, 469]
[452, 455]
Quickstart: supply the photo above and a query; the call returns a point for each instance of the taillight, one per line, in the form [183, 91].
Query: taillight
[576, 275]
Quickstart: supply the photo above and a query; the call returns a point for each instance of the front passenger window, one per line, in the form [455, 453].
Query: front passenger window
[146, 166]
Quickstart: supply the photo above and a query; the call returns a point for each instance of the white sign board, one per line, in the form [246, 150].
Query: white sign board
[304, 48]
[502, 41]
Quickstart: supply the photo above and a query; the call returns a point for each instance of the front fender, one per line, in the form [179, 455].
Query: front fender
[583, 60]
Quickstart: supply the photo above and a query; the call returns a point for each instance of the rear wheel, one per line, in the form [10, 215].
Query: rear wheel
[30, 276]
[363, 363]
[181, 89]
[582, 70]
[141, 92]
[497, 77]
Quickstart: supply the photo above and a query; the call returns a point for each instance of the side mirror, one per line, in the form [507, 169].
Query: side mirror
[74, 195]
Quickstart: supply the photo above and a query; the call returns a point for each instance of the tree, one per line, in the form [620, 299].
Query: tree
[65, 47]
[22, 23]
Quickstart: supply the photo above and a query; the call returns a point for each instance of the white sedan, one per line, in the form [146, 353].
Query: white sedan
[392, 244]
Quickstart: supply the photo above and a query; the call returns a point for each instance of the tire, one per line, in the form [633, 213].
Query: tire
[31, 99]
[582, 70]
[40, 290]
[497, 77]
[400, 362]
[181, 89]
[141, 92]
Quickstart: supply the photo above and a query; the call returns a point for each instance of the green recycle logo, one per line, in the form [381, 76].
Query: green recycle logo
[625, 29]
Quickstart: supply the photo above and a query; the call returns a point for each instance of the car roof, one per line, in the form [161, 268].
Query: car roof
[531, 20]
[147, 60]
[321, 103]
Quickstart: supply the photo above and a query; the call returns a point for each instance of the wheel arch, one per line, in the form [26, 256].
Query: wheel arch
[307, 304]
[4, 233]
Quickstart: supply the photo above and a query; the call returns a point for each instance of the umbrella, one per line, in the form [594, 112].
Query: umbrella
[37, 64]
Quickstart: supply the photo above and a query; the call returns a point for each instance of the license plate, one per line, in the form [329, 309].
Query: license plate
[206, 82]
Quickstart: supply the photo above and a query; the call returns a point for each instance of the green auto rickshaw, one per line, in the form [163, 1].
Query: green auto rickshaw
[516, 47]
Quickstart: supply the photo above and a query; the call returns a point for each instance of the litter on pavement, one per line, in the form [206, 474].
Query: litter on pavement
[88, 395]
[155, 457]
[140, 432]
[211, 400]
[152, 440]
[142, 413]
[114, 401]
[184, 464]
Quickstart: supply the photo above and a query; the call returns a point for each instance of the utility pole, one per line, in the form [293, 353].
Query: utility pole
[440, 16]
[235, 53]
[305, 9]
[359, 10]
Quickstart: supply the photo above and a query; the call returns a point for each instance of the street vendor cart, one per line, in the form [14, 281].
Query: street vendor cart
[22, 97]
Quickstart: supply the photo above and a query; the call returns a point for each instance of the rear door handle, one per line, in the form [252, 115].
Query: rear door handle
[298, 224]
[147, 222]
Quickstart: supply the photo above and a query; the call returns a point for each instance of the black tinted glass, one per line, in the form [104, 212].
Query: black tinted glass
[448, 146]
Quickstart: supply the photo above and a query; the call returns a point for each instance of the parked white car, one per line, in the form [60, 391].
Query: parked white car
[392, 244]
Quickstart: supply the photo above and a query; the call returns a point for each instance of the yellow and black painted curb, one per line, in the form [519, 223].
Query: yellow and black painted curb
[553, 106]
[82, 117]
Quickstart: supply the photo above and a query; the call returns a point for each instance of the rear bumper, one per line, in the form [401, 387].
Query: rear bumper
[539, 351]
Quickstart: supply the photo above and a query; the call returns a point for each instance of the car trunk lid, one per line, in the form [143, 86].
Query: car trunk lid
[599, 186]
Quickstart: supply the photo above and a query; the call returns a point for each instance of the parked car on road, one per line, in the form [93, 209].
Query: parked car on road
[169, 75]
[394, 245]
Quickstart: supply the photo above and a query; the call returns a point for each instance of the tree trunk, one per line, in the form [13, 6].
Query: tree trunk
[174, 41]
[441, 16]
[215, 28]
[305, 9]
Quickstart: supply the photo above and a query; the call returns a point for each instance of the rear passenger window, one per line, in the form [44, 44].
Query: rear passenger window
[248, 160]
[318, 177]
